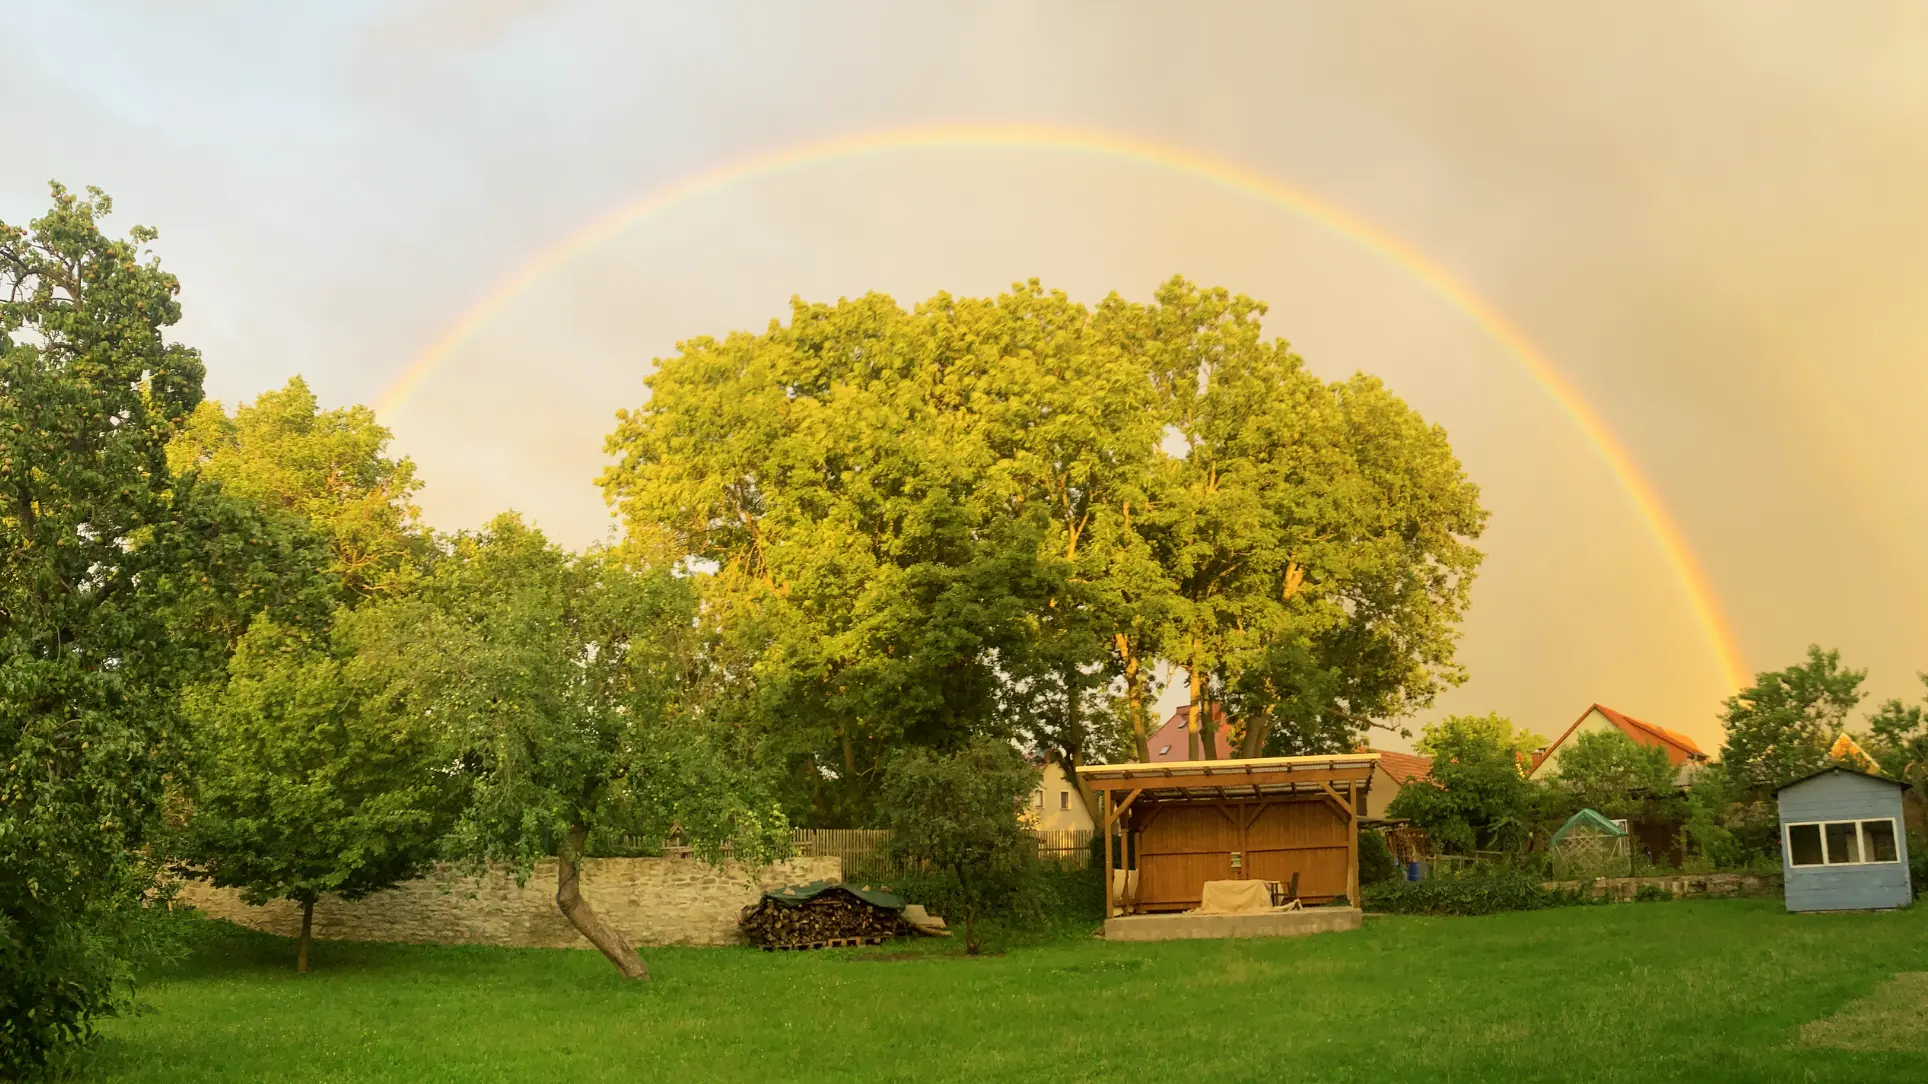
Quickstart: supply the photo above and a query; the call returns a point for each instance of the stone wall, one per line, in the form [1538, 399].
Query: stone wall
[652, 901]
[1623, 889]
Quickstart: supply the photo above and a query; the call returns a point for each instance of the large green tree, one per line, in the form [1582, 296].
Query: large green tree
[999, 515]
[327, 468]
[296, 789]
[1780, 728]
[1898, 738]
[574, 694]
[90, 393]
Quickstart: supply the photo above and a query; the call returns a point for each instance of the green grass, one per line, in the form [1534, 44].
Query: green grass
[1702, 991]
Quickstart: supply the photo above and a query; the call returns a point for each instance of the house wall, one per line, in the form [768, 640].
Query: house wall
[1843, 797]
[1059, 806]
[1379, 793]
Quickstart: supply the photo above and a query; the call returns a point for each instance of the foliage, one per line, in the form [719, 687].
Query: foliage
[1779, 729]
[1375, 859]
[307, 785]
[1652, 894]
[1481, 893]
[1898, 739]
[90, 393]
[1918, 862]
[328, 469]
[955, 814]
[572, 693]
[1475, 799]
[965, 519]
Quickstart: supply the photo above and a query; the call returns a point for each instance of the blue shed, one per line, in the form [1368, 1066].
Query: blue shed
[1842, 843]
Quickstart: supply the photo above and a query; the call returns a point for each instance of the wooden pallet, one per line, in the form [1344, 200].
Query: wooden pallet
[835, 942]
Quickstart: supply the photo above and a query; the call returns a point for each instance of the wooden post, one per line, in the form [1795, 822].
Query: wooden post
[1104, 806]
[1352, 849]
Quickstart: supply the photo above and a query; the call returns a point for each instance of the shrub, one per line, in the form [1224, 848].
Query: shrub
[1376, 864]
[1652, 894]
[955, 815]
[1918, 861]
[1471, 894]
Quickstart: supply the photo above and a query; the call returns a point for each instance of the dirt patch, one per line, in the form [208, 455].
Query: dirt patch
[1894, 1017]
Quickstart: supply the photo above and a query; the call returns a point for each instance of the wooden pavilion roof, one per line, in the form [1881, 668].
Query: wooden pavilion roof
[1217, 780]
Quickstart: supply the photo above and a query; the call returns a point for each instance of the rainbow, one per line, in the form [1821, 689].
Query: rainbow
[1666, 533]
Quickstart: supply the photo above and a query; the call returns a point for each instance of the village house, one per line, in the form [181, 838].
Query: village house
[1682, 751]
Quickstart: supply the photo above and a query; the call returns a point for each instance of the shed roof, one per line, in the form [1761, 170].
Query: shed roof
[1203, 780]
[1844, 771]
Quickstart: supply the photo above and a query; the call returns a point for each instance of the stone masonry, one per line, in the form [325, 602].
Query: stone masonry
[652, 901]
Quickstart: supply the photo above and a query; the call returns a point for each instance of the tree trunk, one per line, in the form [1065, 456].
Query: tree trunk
[307, 931]
[1134, 698]
[586, 921]
[1191, 710]
[1085, 794]
[1256, 731]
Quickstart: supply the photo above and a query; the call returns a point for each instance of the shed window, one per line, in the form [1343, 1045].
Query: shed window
[1880, 839]
[1804, 844]
[1842, 843]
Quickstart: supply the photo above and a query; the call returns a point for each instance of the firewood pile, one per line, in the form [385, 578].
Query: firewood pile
[822, 916]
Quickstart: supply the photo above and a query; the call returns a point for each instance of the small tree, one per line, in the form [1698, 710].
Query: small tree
[1477, 798]
[572, 693]
[1779, 729]
[1606, 772]
[957, 814]
[306, 785]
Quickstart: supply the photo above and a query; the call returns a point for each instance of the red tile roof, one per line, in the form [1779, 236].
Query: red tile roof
[1680, 748]
[1405, 767]
[1170, 742]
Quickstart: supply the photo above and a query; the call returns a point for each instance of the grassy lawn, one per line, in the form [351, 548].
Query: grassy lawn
[1702, 991]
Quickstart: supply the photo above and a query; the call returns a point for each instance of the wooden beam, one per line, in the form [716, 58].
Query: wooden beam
[1113, 816]
[1352, 850]
[1206, 782]
[1104, 808]
[1344, 803]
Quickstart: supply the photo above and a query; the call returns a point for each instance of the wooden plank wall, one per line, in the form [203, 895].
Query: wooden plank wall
[1180, 847]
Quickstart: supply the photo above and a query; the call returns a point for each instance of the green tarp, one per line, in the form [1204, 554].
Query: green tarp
[1588, 819]
[791, 895]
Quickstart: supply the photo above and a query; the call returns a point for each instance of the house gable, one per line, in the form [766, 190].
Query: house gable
[1681, 750]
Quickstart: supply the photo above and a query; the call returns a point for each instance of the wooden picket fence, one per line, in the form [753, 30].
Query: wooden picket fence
[863, 849]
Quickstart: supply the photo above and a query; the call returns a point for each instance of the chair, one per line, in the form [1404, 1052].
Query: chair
[1284, 894]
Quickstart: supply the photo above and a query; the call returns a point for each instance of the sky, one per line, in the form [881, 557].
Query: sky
[1706, 217]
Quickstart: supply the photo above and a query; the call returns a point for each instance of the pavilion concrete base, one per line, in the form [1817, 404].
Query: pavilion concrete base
[1268, 924]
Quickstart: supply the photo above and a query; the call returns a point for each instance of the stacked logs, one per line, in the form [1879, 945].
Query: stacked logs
[831, 919]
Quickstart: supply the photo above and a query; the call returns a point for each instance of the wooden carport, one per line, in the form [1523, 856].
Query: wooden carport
[1182, 824]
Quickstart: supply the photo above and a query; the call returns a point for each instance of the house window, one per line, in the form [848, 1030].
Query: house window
[1842, 843]
[1064, 801]
[1037, 798]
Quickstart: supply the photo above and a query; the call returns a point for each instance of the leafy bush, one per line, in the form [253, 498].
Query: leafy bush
[956, 816]
[1471, 894]
[1376, 864]
[1652, 894]
[1918, 861]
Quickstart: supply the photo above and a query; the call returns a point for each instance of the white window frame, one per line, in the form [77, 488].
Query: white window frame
[1860, 842]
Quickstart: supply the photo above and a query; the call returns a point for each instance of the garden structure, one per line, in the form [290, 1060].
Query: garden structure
[1842, 843]
[1171, 828]
[1590, 845]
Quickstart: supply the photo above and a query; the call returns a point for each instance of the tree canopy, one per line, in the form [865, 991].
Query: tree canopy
[1780, 728]
[91, 391]
[995, 516]
[571, 691]
[1477, 797]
